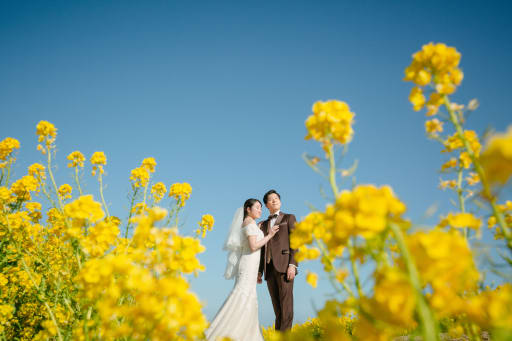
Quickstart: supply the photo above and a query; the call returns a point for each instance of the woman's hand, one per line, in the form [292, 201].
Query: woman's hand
[273, 230]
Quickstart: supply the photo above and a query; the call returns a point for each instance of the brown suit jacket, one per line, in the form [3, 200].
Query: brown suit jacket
[282, 253]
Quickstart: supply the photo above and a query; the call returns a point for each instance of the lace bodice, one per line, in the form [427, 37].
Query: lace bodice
[251, 230]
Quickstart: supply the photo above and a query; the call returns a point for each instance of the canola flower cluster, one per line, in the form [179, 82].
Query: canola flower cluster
[181, 192]
[497, 158]
[423, 281]
[205, 224]
[68, 273]
[436, 65]
[362, 212]
[330, 123]
[472, 165]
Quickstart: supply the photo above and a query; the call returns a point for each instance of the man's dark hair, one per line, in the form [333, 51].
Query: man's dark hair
[272, 191]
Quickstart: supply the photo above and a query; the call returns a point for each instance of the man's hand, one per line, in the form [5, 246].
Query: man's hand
[290, 274]
[259, 281]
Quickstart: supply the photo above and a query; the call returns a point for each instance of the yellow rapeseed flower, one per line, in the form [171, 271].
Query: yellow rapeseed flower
[35, 211]
[312, 279]
[394, 300]
[331, 122]
[181, 192]
[449, 276]
[149, 163]
[461, 220]
[417, 98]
[100, 238]
[465, 160]
[7, 146]
[65, 191]
[84, 208]
[140, 176]
[447, 183]
[22, 187]
[435, 100]
[455, 142]
[437, 64]
[98, 159]
[77, 159]
[206, 224]
[473, 179]
[364, 212]
[434, 126]
[37, 170]
[497, 158]
[46, 132]
[158, 190]
[452, 163]
[304, 253]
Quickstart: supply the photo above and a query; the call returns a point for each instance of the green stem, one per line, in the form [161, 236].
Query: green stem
[171, 214]
[428, 325]
[178, 208]
[100, 178]
[478, 167]
[77, 181]
[354, 267]
[48, 196]
[50, 172]
[145, 192]
[460, 196]
[332, 273]
[332, 172]
[8, 174]
[130, 211]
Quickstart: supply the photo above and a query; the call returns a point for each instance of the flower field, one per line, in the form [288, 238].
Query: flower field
[72, 271]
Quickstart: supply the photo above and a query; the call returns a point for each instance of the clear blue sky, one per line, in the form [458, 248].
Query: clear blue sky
[218, 93]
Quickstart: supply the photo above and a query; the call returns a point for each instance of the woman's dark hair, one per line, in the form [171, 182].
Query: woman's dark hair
[272, 191]
[248, 203]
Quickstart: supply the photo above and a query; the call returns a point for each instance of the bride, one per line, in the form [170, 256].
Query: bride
[238, 316]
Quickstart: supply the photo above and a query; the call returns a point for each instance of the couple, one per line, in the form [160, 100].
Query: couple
[254, 250]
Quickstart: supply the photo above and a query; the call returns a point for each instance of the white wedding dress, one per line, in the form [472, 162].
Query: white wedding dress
[238, 316]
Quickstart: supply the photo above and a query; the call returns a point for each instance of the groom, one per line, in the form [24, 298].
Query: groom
[277, 261]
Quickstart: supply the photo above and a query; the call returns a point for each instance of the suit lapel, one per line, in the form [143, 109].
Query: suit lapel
[279, 218]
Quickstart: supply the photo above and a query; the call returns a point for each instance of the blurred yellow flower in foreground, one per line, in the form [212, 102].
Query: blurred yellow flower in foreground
[84, 208]
[497, 158]
[434, 126]
[312, 279]
[461, 220]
